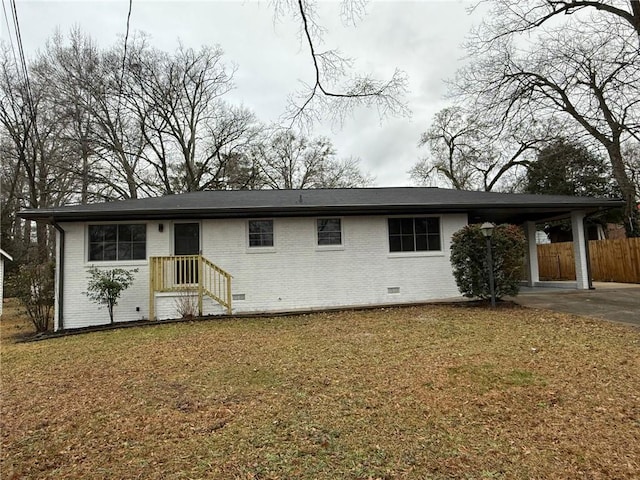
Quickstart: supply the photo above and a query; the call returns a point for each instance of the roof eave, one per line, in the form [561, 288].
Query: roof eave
[69, 215]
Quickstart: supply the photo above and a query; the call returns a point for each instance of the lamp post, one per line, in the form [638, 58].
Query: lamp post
[487, 231]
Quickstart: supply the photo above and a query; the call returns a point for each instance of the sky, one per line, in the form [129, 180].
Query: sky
[422, 38]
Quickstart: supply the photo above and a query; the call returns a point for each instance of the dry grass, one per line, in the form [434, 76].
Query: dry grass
[427, 392]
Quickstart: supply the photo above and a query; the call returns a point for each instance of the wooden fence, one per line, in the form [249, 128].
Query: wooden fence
[611, 260]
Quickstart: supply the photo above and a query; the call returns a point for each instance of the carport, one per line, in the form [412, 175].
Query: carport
[530, 212]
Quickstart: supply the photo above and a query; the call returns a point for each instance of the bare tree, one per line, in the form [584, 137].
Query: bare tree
[291, 161]
[344, 173]
[120, 145]
[240, 171]
[67, 69]
[32, 140]
[189, 129]
[516, 16]
[453, 142]
[472, 153]
[632, 160]
[88, 96]
[11, 188]
[582, 75]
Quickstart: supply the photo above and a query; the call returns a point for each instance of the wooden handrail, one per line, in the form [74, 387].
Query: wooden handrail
[179, 273]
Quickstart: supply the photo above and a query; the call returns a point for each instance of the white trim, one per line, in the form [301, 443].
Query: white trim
[420, 253]
[333, 247]
[329, 248]
[258, 249]
[6, 255]
[116, 263]
[416, 253]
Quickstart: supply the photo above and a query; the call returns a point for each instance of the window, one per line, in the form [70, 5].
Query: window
[261, 233]
[329, 231]
[117, 242]
[417, 234]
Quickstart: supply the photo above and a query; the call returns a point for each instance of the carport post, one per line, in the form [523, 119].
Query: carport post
[533, 273]
[580, 250]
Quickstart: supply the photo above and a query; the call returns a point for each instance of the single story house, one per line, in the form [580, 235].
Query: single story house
[3, 255]
[284, 250]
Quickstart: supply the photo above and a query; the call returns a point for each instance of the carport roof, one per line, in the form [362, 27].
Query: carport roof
[480, 206]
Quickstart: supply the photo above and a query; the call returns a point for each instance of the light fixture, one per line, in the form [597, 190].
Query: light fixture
[487, 231]
[161, 227]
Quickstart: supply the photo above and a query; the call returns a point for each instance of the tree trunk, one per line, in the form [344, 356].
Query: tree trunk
[84, 149]
[631, 214]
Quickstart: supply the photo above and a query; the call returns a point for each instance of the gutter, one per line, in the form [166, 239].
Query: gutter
[60, 273]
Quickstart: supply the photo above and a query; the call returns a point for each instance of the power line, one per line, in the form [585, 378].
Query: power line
[126, 37]
[124, 58]
[23, 62]
[13, 48]
[25, 73]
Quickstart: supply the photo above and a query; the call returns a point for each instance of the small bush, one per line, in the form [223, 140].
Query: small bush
[187, 304]
[34, 285]
[469, 260]
[106, 286]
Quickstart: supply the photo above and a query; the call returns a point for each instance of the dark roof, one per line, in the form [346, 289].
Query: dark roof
[481, 206]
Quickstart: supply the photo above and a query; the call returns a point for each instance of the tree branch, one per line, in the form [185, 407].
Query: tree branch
[318, 98]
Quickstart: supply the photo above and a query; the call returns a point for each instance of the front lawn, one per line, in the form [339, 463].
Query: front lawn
[431, 392]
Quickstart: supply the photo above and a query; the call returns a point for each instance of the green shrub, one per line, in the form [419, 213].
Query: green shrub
[469, 260]
[106, 286]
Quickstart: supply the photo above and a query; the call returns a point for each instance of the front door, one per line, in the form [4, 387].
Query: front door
[186, 241]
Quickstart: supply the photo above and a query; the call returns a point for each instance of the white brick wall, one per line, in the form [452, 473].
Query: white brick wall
[79, 311]
[295, 274]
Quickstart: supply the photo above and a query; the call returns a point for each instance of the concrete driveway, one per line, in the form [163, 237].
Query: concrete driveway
[617, 302]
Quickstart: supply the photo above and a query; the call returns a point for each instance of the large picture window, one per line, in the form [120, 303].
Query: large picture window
[261, 233]
[329, 231]
[416, 234]
[117, 242]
